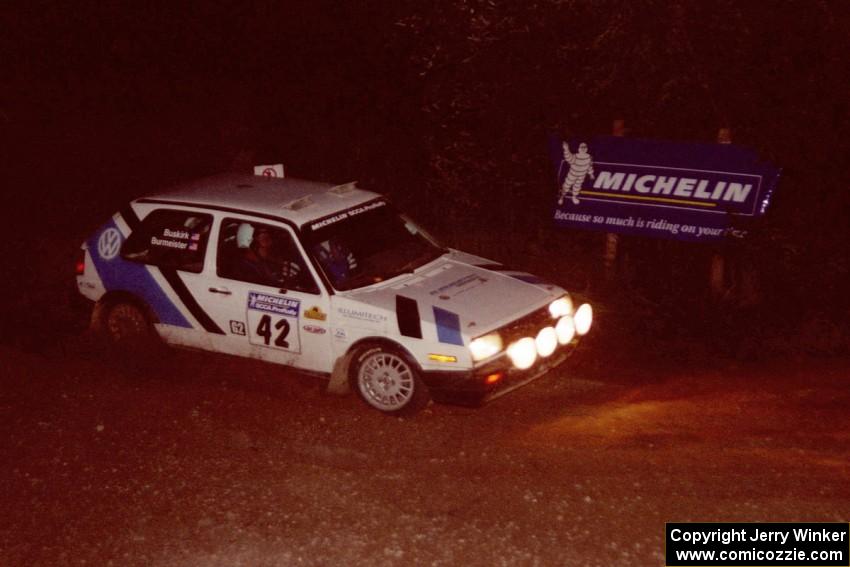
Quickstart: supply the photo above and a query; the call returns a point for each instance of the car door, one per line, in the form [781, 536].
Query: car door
[265, 296]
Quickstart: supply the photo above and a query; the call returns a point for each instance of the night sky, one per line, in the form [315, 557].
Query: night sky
[445, 106]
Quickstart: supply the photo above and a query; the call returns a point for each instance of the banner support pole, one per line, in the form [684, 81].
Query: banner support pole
[612, 240]
[717, 270]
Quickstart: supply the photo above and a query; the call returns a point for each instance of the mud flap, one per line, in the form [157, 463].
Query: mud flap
[338, 384]
[97, 315]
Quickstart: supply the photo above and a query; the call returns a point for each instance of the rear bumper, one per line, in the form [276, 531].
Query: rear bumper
[470, 388]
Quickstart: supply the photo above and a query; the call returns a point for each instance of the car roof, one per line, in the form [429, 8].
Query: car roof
[296, 200]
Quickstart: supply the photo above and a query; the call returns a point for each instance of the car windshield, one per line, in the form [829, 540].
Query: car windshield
[368, 244]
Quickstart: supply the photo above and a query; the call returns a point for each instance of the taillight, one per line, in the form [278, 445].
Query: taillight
[81, 262]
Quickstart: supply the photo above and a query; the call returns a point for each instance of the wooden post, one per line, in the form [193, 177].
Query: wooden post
[611, 240]
[610, 255]
[717, 270]
[717, 274]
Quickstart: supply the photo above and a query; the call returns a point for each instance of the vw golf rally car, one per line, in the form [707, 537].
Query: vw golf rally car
[326, 279]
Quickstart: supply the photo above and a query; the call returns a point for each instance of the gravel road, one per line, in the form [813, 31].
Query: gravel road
[195, 459]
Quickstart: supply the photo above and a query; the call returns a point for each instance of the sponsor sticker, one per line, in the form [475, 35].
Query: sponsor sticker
[273, 304]
[316, 330]
[347, 214]
[315, 313]
[361, 315]
[460, 285]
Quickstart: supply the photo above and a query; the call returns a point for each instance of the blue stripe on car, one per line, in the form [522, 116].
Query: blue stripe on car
[119, 274]
[448, 326]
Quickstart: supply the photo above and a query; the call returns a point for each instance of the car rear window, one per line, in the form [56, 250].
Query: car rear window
[170, 239]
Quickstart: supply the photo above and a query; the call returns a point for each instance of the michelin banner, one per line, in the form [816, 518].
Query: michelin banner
[684, 191]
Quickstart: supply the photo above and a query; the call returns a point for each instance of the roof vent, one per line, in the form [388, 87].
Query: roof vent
[344, 189]
[299, 204]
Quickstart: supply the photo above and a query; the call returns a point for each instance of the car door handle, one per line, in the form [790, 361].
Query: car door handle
[221, 290]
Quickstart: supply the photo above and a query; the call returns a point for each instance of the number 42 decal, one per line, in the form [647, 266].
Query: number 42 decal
[273, 330]
[264, 330]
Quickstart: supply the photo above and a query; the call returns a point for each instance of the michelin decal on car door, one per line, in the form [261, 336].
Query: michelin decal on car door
[273, 321]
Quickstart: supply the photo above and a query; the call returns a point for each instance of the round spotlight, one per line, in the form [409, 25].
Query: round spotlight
[546, 341]
[565, 329]
[523, 353]
[560, 307]
[583, 318]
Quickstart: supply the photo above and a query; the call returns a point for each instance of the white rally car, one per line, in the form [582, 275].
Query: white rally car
[326, 279]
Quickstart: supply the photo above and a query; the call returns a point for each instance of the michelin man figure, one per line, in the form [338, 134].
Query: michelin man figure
[581, 165]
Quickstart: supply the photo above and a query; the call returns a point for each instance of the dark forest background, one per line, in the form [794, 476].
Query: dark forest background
[446, 106]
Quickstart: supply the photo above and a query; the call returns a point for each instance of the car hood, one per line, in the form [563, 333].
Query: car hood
[480, 295]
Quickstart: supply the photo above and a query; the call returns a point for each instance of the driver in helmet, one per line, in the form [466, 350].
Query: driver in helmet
[257, 260]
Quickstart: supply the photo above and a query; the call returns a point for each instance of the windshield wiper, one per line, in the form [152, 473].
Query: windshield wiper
[416, 263]
[360, 280]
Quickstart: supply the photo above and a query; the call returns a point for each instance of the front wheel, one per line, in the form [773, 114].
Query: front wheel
[388, 382]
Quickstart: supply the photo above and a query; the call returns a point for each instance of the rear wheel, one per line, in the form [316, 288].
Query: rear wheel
[388, 382]
[130, 336]
[126, 324]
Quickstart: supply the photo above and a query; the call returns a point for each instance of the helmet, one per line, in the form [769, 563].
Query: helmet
[244, 235]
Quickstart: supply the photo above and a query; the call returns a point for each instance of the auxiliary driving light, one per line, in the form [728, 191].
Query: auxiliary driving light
[523, 353]
[566, 330]
[583, 318]
[560, 307]
[546, 341]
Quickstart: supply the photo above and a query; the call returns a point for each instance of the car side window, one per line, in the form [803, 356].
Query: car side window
[258, 253]
[170, 239]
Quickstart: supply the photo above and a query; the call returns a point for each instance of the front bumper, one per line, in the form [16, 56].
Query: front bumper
[470, 388]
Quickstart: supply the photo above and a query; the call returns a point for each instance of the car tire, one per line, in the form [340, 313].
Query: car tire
[386, 380]
[130, 336]
[125, 324]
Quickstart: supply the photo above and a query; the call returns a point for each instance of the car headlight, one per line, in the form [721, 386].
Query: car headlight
[560, 307]
[583, 318]
[485, 347]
